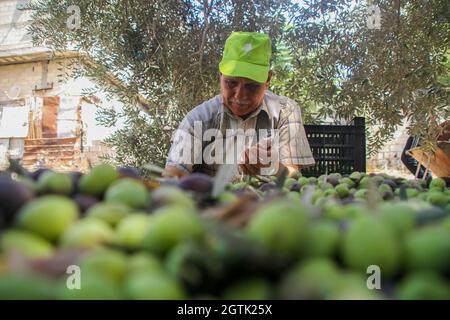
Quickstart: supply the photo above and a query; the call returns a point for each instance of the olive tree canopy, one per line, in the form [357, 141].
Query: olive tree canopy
[385, 60]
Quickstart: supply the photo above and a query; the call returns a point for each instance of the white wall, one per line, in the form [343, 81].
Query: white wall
[17, 82]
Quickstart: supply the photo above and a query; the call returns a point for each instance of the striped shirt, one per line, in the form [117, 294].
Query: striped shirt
[278, 117]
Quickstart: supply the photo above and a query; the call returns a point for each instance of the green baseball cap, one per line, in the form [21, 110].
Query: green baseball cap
[247, 55]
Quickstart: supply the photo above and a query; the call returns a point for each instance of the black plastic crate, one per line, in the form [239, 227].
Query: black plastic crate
[337, 148]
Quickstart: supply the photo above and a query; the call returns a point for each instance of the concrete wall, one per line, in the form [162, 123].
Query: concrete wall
[92, 155]
[18, 81]
[388, 159]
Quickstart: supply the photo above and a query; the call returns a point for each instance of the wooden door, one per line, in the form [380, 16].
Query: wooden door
[49, 117]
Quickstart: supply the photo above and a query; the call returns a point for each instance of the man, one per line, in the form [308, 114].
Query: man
[259, 130]
[410, 163]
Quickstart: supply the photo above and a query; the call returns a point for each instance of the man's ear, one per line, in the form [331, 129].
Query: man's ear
[269, 77]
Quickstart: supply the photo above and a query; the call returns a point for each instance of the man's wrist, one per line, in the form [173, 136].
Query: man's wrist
[174, 171]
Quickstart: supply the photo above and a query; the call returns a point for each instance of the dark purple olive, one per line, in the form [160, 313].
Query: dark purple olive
[295, 187]
[36, 174]
[75, 177]
[333, 181]
[197, 182]
[84, 201]
[242, 193]
[129, 172]
[349, 199]
[391, 183]
[13, 195]
[267, 186]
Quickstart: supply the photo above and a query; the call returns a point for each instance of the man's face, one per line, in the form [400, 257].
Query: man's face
[241, 95]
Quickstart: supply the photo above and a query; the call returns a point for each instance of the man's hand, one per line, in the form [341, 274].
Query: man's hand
[172, 171]
[261, 156]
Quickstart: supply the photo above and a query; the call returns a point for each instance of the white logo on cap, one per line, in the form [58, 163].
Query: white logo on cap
[248, 47]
